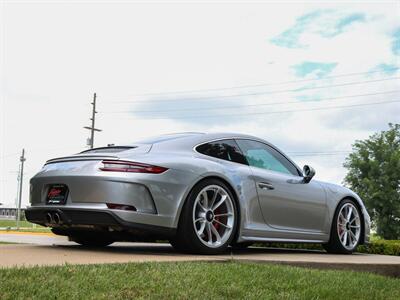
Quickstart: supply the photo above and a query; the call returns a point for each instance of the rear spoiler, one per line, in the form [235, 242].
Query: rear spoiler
[80, 158]
[112, 152]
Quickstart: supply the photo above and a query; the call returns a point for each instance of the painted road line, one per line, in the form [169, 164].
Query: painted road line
[26, 232]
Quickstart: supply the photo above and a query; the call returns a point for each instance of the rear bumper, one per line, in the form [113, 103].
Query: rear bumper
[156, 197]
[96, 219]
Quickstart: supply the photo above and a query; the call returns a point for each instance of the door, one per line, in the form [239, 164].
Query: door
[286, 203]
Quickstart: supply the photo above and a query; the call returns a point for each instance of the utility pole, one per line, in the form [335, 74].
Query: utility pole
[21, 177]
[93, 118]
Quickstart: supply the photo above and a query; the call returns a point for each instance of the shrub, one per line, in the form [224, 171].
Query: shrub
[376, 246]
[380, 246]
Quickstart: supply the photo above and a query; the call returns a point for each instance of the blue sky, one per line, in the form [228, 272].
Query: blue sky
[396, 42]
[280, 66]
[310, 67]
[330, 23]
[322, 25]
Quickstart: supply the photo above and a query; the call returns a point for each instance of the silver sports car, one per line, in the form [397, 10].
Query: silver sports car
[202, 192]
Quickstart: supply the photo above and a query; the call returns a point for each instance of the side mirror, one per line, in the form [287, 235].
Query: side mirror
[309, 173]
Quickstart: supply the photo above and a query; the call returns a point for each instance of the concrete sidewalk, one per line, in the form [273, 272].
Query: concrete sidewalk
[48, 249]
[30, 255]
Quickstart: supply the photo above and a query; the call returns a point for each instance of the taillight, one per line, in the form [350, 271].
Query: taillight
[133, 167]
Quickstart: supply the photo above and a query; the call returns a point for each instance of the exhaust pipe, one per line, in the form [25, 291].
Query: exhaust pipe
[49, 218]
[57, 218]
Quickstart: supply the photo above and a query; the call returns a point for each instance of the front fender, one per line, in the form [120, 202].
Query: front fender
[335, 194]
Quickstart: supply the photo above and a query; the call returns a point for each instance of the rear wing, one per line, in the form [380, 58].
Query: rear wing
[101, 153]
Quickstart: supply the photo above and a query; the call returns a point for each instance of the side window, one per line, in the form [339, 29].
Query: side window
[263, 156]
[224, 149]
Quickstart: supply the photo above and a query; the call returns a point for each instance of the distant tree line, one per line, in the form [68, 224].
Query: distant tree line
[374, 174]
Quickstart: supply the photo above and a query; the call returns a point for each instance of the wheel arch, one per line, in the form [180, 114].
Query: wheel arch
[231, 189]
[360, 207]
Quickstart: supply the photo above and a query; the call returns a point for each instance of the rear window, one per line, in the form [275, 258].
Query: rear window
[112, 149]
[223, 149]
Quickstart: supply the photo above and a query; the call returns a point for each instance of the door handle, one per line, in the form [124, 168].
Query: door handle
[265, 186]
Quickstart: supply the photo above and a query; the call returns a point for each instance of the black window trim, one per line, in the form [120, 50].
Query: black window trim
[300, 173]
[221, 139]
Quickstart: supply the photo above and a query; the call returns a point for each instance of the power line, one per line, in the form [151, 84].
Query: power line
[10, 154]
[262, 93]
[37, 150]
[249, 105]
[264, 84]
[320, 154]
[271, 112]
[317, 152]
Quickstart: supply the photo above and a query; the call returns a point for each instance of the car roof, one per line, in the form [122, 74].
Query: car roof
[191, 139]
[167, 137]
[187, 141]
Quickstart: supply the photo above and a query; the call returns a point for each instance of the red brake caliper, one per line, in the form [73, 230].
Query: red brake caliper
[217, 225]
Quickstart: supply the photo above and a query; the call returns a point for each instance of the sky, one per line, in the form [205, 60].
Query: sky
[310, 77]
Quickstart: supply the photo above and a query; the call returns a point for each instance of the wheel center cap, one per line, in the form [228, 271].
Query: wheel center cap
[209, 216]
[348, 226]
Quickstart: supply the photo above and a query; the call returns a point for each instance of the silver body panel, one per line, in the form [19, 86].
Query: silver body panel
[292, 211]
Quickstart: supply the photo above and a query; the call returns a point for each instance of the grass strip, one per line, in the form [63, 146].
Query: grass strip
[192, 280]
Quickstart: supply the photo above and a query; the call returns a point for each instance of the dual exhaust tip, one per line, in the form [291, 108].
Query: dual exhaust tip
[53, 218]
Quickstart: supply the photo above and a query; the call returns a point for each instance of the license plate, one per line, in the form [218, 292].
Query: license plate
[57, 194]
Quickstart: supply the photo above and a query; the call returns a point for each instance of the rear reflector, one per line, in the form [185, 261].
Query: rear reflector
[121, 206]
[127, 166]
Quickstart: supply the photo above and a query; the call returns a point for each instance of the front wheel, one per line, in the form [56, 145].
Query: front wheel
[346, 229]
[208, 219]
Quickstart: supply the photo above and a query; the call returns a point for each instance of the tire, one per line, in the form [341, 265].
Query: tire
[210, 210]
[91, 240]
[346, 229]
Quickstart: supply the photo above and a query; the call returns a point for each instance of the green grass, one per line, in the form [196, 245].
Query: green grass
[24, 226]
[13, 223]
[192, 280]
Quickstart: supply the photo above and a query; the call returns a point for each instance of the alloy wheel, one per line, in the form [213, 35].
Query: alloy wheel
[213, 216]
[349, 226]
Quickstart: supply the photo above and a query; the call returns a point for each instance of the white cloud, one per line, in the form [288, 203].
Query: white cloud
[55, 55]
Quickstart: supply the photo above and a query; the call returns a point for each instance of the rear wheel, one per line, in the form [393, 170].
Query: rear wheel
[346, 229]
[208, 219]
[91, 240]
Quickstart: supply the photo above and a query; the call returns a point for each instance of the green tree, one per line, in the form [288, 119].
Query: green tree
[374, 174]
